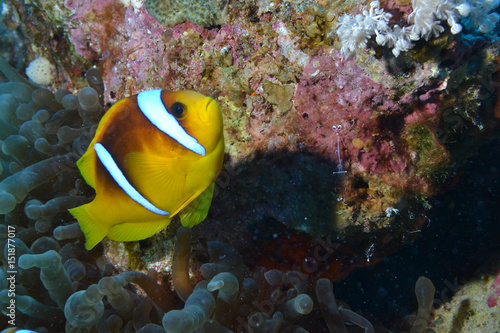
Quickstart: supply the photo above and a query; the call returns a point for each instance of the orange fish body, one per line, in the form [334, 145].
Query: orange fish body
[154, 155]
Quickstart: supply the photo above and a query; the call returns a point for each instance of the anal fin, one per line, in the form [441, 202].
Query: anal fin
[136, 231]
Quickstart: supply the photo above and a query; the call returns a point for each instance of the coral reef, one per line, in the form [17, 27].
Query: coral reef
[329, 161]
[282, 85]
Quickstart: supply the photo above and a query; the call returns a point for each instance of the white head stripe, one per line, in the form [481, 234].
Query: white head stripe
[152, 107]
[110, 165]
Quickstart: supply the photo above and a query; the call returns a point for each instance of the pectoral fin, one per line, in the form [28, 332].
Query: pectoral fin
[157, 177]
[197, 210]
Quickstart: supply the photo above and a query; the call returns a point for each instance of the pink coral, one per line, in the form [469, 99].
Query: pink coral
[332, 92]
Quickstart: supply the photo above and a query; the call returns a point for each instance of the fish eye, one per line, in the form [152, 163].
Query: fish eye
[178, 110]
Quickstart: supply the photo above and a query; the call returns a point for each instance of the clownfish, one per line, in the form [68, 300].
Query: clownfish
[154, 155]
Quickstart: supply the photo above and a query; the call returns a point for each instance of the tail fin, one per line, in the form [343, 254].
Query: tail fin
[94, 232]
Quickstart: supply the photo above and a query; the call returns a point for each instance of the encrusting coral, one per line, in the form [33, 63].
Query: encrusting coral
[203, 13]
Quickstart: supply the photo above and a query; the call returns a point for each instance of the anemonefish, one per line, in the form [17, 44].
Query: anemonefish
[155, 155]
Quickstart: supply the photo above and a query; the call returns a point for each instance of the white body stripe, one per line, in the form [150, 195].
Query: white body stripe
[153, 108]
[110, 165]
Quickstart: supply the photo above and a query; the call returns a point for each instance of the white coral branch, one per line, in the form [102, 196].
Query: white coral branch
[425, 22]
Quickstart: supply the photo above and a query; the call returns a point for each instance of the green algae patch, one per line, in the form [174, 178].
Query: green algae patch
[430, 156]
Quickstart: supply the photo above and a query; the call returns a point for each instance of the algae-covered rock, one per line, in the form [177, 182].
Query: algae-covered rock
[203, 13]
[279, 95]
